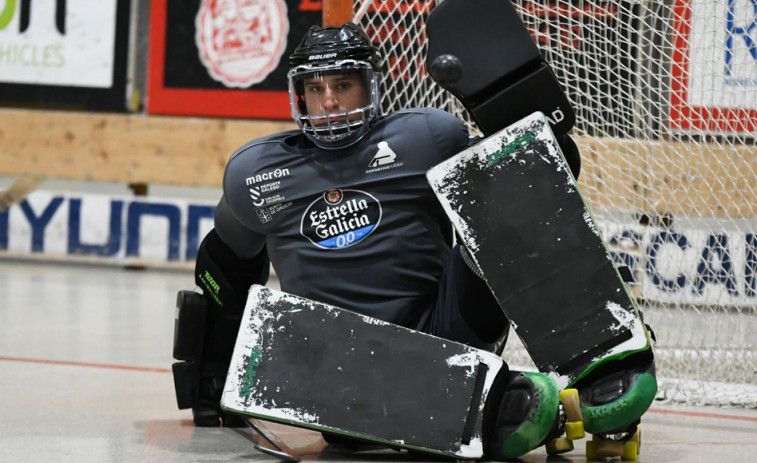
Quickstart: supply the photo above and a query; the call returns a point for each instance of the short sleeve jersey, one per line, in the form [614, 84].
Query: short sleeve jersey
[358, 228]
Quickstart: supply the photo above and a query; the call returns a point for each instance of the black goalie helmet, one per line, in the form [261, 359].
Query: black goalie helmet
[333, 84]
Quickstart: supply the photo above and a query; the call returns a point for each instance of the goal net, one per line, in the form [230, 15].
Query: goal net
[665, 94]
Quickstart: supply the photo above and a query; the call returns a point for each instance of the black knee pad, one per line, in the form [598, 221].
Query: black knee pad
[206, 326]
[186, 380]
[204, 342]
[189, 325]
[188, 337]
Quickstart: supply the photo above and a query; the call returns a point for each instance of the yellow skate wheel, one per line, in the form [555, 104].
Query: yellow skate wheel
[572, 404]
[637, 438]
[559, 445]
[575, 431]
[603, 448]
[591, 451]
[630, 451]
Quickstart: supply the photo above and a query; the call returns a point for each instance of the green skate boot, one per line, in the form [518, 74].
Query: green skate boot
[522, 413]
[613, 399]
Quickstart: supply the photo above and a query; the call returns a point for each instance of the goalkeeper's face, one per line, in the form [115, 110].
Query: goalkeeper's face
[334, 103]
[336, 96]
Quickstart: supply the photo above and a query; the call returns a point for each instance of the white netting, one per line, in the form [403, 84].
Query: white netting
[665, 94]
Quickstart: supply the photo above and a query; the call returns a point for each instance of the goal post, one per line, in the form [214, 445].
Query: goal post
[337, 12]
[665, 96]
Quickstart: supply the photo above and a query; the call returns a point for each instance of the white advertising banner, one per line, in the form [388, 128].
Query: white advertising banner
[697, 261]
[723, 54]
[162, 232]
[714, 66]
[58, 42]
[700, 261]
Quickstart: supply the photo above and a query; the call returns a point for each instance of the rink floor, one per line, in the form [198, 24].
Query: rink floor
[85, 358]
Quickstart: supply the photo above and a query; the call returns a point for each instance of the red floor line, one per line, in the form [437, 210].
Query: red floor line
[168, 370]
[85, 364]
[702, 415]
[699, 444]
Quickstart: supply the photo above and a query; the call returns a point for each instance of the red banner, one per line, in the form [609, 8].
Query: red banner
[225, 58]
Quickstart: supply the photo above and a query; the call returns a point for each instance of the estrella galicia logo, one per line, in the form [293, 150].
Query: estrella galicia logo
[340, 218]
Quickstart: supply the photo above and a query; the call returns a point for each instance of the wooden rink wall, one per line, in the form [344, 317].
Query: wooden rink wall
[128, 148]
[191, 151]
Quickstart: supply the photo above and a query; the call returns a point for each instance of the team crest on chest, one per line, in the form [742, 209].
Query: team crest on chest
[333, 196]
[340, 218]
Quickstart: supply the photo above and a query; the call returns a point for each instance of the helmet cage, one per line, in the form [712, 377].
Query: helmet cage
[336, 129]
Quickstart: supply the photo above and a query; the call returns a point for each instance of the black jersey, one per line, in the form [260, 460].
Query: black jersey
[358, 228]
